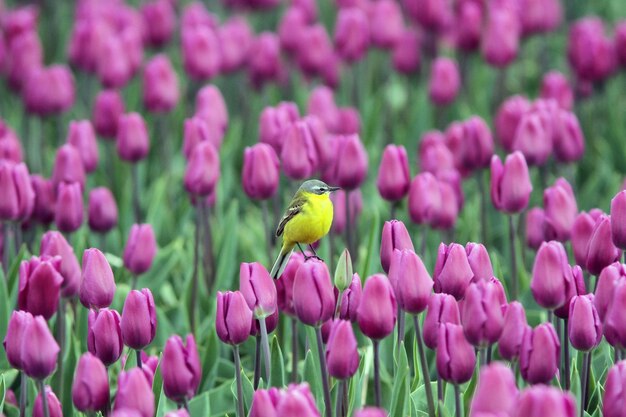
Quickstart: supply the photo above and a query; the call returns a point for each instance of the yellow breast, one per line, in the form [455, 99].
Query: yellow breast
[313, 223]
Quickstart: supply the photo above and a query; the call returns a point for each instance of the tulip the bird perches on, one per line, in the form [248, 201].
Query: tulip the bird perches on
[307, 219]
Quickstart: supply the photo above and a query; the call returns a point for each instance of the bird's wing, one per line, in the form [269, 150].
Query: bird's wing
[295, 208]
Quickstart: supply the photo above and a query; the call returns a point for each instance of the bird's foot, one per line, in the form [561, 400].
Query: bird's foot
[306, 258]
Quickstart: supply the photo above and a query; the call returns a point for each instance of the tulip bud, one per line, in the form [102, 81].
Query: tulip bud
[203, 169]
[181, 412]
[539, 355]
[535, 225]
[452, 272]
[260, 176]
[13, 341]
[514, 326]
[496, 391]
[406, 56]
[197, 130]
[501, 36]
[313, 296]
[479, 261]
[468, 24]
[113, 65]
[107, 109]
[265, 65]
[43, 207]
[554, 85]
[133, 143]
[160, 85]
[211, 107]
[471, 144]
[507, 119]
[538, 400]
[233, 317]
[614, 328]
[551, 275]
[560, 210]
[39, 350]
[510, 184]
[322, 104]
[181, 368]
[98, 285]
[39, 286]
[104, 335]
[90, 389]
[533, 138]
[350, 167]
[605, 289]
[386, 23]
[54, 405]
[342, 356]
[284, 284]
[590, 53]
[410, 280]
[139, 319]
[18, 195]
[134, 392]
[434, 15]
[576, 287]
[424, 199]
[352, 35]
[581, 233]
[585, 327]
[318, 52]
[235, 37]
[614, 388]
[442, 308]
[343, 271]
[481, 317]
[140, 248]
[456, 358]
[394, 236]
[48, 90]
[201, 52]
[618, 220]
[445, 81]
[258, 289]
[569, 143]
[339, 209]
[298, 154]
[102, 210]
[351, 299]
[68, 213]
[274, 121]
[377, 323]
[264, 402]
[159, 19]
[600, 250]
[371, 412]
[393, 173]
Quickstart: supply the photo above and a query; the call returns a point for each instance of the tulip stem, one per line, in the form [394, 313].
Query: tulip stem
[585, 382]
[266, 348]
[457, 400]
[207, 257]
[349, 225]
[483, 207]
[196, 261]
[139, 363]
[44, 398]
[514, 283]
[400, 326]
[61, 342]
[483, 357]
[294, 350]
[424, 367]
[240, 412]
[338, 305]
[23, 393]
[134, 171]
[339, 402]
[322, 357]
[5, 250]
[566, 370]
[377, 394]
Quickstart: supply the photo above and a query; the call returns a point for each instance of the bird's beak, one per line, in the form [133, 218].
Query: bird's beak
[331, 189]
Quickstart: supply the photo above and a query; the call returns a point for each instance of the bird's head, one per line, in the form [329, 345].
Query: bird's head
[317, 187]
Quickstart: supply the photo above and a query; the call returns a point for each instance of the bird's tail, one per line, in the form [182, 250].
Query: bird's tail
[281, 261]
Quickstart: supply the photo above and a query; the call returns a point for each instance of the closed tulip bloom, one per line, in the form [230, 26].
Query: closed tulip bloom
[318, 55]
[211, 107]
[410, 280]
[104, 335]
[261, 174]
[284, 284]
[600, 250]
[393, 173]
[468, 26]
[424, 199]
[181, 368]
[313, 296]
[203, 170]
[68, 166]
[620, 42]
[141, 247]
[371, 412]
[406, 56]
[456, 358]
[479, 261]
[18, 194]
[274, 121]
[14, 338]
[56, 97]
[339, 209]
[160, 85]
[322, 104]
[555, 85]
[507, 119]
[39, 286]
[394, 236]
[233, 317]
[590, 53]
[102, 210]
[352, 34]
[265, 65]
[134, 392]
[107, 109]
[496, 391]
[442, 308]
[98, 285]
[582, 230]
[535, 227]
[386, 23]
[351, 299]
[82, 136]
[618, 220]
[133, 143]
[201, 52]
[20, 20]
[296, 403]
[197, 130]
[139, 319]
[510, 183]
[299, 155]
[69, 207]
[54, 405]
[614, 328]
[235, 37]
[576, 287]
[481, 317]
[543, 400]
[585, 327]
[113, 65]
[605, 289]
[376, 313]
[473, 148]
[453, 272]
[258, 289]
[159, 19]
[43, 208]
[264, 402]
[342, 355]
[560, 210]
[39, 350]
[445, 81]
[540, 353]
[533, 138]
[551, 275]
[512, 336]
[90, 389]
[500, 41]
[569, 143]
[614, 389]
[26, 55]
[350, 167]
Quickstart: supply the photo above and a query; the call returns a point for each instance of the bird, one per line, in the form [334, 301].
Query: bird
[307, 219]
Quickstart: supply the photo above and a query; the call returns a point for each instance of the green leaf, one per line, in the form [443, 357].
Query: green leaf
[210, 350]
[400, 390]
[200, 405]
[5, 313]
[157, 384]
[277, 376]
[248, 390]
[419, 396]
[69, 365]
[469, 392]
[313, 377]
[372, 247]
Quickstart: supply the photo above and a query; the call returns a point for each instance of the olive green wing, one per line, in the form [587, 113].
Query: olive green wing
[295, 208]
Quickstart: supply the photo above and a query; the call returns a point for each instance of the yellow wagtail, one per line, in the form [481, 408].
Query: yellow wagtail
[306, 220]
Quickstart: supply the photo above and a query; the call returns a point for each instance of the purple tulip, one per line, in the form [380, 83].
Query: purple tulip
[351, 299]
[102, 210]
[350, 166]
[533, 137]
[434, 154]
[468, 26]
[264, 402]
[560, 209]
[90, 389]
[551, 276]
[410, 280]
[614, 326]
[313, 296]
[442, 308]
[507, 119]
[68, 167]
[181, 368]
[39, 350]
[600, 250]
[200, 51]
[393, 174]
[159, 19]
[104, 335]
[98, 285]
[377, 310]
[39, 286]
[394, 236]
[452, 272]
[203, 169]
[139, 319]
[496, 391]
[582, 230]
[577, 287]
[479, 261]
[371, 412]
[342, 356]
[605, 289]
[14, 338]
[618, 219]
[82, 136]
[481, 315]
[298, 153]
[54, 405]
[140, 248]
[585, 327]
[539, 355]
[542, 400]
[500, 41]
[235, 37]
[265, 65]
[233, 317]
[591, 53]
[535, 228]
[555, 85]
[260, 176]
[195, 131]
[274, 121]
[456, 358]
[406, 56]
[49, 90]
[284, 284]
[445, 81]
[43, 209]
[386, 23]
[614, 389]
[160, 85]
[513, 329]
[107, 109]
[133, 142]
[510, 183]
[211, 107]
[339, 209]
[68, 211]
[134, 392]
[258, 288]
